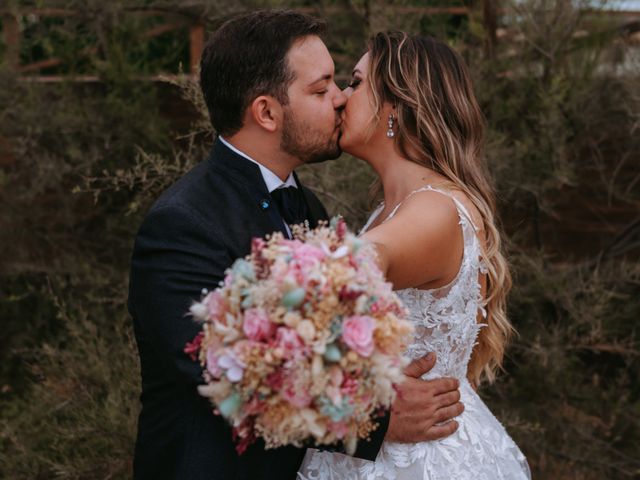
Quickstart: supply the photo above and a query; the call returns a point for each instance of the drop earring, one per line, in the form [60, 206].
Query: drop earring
[390, 132]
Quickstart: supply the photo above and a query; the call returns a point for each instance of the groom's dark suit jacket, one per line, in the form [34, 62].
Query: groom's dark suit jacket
[193, 232]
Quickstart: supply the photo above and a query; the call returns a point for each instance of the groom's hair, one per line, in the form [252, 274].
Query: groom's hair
[247, 57]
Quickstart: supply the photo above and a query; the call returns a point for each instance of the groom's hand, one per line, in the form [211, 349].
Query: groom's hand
[421, 406]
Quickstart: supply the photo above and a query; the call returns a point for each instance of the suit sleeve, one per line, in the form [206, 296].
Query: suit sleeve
[368, 449]
[175, 256]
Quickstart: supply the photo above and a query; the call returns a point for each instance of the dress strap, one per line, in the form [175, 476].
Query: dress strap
[428, 188]
[372, 217]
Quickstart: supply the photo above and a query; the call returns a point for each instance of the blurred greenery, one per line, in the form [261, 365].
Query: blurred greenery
[81, 161]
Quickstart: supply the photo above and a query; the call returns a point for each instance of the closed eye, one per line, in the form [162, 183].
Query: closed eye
[354, 83]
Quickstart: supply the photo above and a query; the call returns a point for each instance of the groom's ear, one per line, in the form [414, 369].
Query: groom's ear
[266, 111]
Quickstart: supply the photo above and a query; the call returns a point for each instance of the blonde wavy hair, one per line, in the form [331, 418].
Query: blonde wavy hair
[440, 126]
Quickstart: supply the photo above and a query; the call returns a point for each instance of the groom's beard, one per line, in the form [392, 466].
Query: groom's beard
[308, 145]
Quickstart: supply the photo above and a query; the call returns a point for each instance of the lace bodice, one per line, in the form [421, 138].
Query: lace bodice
[447, 323]
[446, 318]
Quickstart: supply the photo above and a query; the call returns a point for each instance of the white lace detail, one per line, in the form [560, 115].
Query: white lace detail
[446, 321]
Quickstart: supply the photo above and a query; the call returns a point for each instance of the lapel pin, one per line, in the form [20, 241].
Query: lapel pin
[264, 204]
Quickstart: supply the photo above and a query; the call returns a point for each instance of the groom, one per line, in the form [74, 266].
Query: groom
[268, 81]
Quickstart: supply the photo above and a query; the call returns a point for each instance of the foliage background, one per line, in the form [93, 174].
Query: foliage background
[80, 162]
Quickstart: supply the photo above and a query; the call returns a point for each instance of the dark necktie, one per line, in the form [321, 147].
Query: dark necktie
[291, 204]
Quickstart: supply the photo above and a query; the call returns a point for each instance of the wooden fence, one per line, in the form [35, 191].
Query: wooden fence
[171, 23]
[195, 24]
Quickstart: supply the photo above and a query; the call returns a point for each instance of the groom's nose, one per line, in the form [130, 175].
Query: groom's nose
[339, 100]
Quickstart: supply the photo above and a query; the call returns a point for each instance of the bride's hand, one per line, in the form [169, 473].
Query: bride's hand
[422, 405]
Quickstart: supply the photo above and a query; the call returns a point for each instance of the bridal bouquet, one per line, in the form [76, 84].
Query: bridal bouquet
[303, 340]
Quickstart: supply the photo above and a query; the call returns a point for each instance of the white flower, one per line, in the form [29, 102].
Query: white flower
[233, 365]
[318, 430]
[215, 389]
[362, 305]
[340, 252]
[291, 319]
[198, 310]
[306, 330]
[317, 366]
[228, 334]
[350, 444]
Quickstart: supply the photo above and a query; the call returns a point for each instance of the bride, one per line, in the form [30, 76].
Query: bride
[413, 117]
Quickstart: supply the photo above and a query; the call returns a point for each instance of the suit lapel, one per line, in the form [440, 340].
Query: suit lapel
[267, 218]
[268, 211]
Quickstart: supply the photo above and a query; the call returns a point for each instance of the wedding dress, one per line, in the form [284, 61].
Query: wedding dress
[446, 323]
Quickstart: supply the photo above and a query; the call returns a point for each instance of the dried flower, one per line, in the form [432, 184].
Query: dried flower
[302, 340]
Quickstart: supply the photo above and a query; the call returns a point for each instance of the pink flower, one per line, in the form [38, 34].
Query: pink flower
[256, 325]
[257, 245]
[346, 294]
[244, 435]
[212, 363]
[260, 263]
[275, 379]
[279, 271]
[290, 343]
[291, 244]
[295, 392]
[192, 348]
[341, 228]
[349, 387]
[375, 308]
[308, 255]
[357, 333]
[215, 304]
[339, 429]
[254, 406]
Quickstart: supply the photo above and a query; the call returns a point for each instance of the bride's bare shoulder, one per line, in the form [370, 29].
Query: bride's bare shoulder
[422, 241]
[429, 208]
[470, 207]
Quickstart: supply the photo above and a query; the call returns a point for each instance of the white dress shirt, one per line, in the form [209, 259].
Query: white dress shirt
[271, 180]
